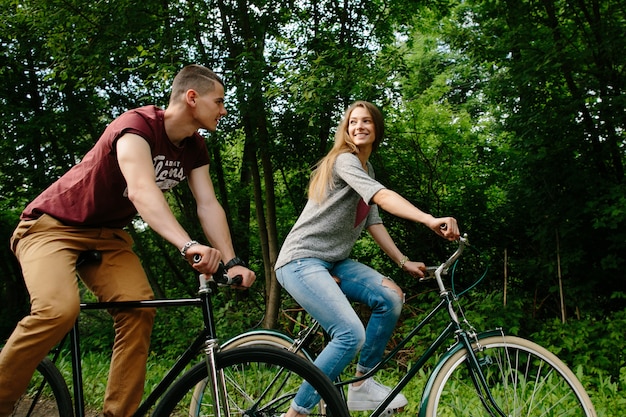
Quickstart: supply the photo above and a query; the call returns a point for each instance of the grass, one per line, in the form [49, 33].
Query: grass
[592, 348]
[607, 395]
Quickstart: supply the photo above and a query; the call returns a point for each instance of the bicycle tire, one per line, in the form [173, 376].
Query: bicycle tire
[252, 339]
[47, 394]
[268, 376]
[524, 378]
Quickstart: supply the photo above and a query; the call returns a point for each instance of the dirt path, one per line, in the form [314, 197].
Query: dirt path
[45, 408]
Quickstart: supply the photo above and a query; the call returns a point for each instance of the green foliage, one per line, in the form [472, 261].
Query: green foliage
[96, 331]
[594, 343]
[594, 349]
[562, 156]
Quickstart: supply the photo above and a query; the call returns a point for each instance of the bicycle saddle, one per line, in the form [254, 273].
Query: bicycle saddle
[89, 257]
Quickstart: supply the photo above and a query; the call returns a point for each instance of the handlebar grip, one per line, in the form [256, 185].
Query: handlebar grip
[220, 277]
[236, 280]
[429, 273]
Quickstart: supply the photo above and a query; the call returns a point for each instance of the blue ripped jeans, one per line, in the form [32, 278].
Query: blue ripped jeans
[310, 282]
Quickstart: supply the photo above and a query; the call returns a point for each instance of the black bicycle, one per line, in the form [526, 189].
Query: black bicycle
[478, 373]
[236, 380]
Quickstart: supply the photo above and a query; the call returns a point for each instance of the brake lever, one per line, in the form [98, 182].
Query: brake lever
[220, 277]
[428, 274]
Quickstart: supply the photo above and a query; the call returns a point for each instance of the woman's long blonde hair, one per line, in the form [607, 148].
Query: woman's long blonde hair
[322, 177]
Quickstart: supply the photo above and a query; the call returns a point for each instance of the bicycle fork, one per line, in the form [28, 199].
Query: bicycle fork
[473, 365]
[478, 378]
[217, 382]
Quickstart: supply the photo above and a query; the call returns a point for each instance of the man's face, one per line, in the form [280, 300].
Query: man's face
[210, 108]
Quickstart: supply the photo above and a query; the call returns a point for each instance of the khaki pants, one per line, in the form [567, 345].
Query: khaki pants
[47, 251]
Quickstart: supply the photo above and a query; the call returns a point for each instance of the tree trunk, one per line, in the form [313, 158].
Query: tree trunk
[272, 286]
[506, 274]
[558, 269]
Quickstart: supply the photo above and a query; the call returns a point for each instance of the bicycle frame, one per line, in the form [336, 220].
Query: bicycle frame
[206, 340]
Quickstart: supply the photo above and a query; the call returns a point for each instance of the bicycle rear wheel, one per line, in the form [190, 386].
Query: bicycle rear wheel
[524, 379]
[47, 394]
[260, 381]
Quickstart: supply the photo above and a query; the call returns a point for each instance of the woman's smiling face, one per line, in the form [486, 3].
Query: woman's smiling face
[361, 128]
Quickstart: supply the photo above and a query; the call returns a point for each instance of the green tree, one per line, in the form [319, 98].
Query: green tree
[553, 74]
[66, 72]
[508, 116]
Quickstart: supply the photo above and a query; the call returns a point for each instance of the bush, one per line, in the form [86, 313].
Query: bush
[595, 344]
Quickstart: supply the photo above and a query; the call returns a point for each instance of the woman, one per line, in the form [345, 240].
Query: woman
[313, 264]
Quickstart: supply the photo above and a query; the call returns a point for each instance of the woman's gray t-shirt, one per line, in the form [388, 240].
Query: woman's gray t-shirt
[329, 230]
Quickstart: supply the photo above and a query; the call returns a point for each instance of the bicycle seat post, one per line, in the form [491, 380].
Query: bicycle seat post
[86, 257]
[77, 372]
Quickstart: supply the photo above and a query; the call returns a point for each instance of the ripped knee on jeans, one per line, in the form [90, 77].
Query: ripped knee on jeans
[389, 283]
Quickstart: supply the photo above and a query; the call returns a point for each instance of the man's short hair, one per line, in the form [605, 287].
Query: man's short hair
[194, 77]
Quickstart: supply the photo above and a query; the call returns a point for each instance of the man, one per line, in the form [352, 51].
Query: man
[141, 154]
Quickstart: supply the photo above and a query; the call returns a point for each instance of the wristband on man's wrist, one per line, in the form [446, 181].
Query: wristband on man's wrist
[183, 250]
[233, 262]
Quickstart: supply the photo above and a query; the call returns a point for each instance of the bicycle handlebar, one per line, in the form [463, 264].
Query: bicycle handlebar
[220, 277]
[435, 272]
[463, 241]
[224, 279]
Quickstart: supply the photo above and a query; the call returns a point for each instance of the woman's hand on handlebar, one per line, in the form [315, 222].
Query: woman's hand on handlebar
[415, 269]
[446, 227]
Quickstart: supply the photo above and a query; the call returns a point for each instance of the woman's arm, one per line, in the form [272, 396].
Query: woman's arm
[395, 204]
[386, 243]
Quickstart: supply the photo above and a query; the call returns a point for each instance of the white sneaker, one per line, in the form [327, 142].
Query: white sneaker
[369, 394]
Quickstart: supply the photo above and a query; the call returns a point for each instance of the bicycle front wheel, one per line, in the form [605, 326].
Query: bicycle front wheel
[260, 381]
[47, 394]
[253, 339]
[523, 378]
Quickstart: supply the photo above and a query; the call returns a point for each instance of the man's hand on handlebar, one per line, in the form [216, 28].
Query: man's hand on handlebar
[248, 276]
[204, 259]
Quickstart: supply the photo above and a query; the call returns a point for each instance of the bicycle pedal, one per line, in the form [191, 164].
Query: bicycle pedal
[392, 411]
